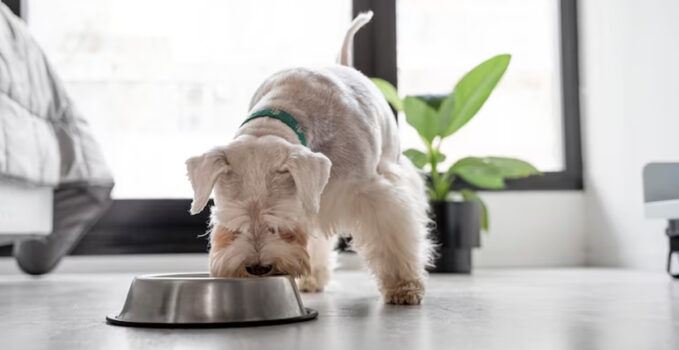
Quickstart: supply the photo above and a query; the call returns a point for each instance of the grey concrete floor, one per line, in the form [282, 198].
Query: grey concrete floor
[492, 309]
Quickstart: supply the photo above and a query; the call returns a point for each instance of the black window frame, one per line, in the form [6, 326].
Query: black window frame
[151, 226]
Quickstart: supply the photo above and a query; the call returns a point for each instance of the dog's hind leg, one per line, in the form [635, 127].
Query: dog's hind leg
[320, 253]
[391, 232]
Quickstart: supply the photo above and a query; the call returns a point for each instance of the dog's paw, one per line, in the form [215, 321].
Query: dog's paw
[406, 293]
[313, 282]
[309, 284]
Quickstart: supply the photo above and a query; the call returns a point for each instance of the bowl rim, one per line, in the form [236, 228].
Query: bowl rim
[203, 276]
[309, 315]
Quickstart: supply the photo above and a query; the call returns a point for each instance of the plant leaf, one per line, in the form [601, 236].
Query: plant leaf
[512, 168]
[418, 158]
[440, 157]
[472, 91]
[389, 92]
[433, 101]
[421, 117]
[478, 172]
[446, 114]
[470, 195]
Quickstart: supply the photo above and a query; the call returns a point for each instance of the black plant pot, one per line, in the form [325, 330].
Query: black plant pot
[457, 231]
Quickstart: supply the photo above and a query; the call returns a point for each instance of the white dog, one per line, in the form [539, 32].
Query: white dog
[319, 156]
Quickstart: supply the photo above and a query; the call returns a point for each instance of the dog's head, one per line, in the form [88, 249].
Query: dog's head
[266, 191]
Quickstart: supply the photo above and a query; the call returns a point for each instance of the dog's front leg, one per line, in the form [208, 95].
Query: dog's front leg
[398, 268]
[391, 237]
[320, 255]
[396, 261]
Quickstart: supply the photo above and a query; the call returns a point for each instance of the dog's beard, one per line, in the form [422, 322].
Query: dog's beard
[227, 263]
[241, 236]
[289, 259]
[286, 258]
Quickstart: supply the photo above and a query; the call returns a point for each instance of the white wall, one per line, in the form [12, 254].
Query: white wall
[536, 229]
[629, 72]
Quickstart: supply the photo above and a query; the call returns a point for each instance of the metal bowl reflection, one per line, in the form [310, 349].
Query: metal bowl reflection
[197, 300]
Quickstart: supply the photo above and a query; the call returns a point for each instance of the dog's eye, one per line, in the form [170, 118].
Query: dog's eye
[272, 230]
[236, 232]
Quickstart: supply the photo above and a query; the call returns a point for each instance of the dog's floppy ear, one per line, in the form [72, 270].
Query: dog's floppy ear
[311, 172]
[203, 172]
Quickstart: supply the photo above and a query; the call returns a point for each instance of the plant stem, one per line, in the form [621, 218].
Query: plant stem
[435, 177]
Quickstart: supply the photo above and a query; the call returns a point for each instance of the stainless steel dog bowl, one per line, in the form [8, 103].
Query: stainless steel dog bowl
[197, 300]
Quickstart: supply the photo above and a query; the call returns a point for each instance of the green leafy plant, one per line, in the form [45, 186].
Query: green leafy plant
[436, 119]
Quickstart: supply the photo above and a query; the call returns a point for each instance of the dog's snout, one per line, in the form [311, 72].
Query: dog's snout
[258, 270]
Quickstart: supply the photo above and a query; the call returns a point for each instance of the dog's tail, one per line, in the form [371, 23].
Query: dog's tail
[345, 57]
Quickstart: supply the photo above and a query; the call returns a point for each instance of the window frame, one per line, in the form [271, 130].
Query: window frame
[152, 226]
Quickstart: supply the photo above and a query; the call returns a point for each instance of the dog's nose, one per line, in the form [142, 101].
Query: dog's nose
[258, 270]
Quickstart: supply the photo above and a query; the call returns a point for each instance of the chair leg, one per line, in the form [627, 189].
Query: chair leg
[76, 210]
[673, 236]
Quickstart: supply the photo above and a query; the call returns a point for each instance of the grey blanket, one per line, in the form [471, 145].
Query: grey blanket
[44, 141]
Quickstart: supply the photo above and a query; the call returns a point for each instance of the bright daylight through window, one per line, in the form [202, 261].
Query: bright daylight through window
[158, 94]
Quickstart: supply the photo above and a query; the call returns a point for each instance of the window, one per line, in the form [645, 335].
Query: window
[162, 80]
[537, 116]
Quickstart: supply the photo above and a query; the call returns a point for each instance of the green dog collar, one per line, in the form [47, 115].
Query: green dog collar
[281, 115]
